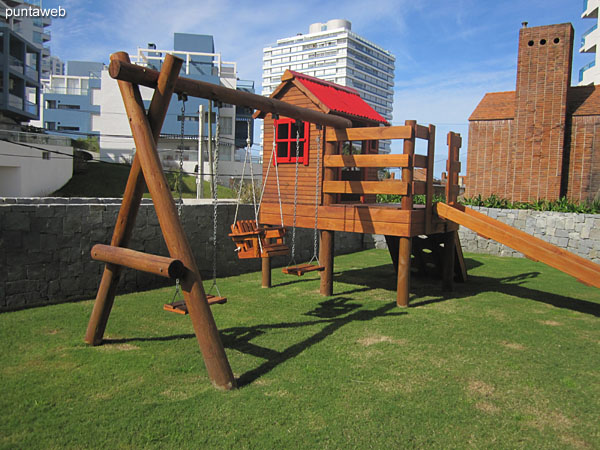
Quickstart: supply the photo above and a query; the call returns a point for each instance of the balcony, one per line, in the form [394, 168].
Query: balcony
[589, 40]
[15, 64]
[590, 9]
[584, 69]
[31, 108]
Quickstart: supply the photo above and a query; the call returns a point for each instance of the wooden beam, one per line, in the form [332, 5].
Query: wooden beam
[132, 198]
[420, 161]
[407, 172]
[422, 132]
[429, 188]
[369, 134]
[144, 76]
[327, 235]
[448, 256]
[366, 187]
[145, 262]
[419, 187]
[403, 281]
[266, 271]
[365, 161]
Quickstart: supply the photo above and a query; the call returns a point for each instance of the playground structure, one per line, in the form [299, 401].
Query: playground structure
[343, 199]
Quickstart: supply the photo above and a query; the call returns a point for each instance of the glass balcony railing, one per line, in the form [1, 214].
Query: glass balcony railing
[584, 68]
[31, 107]
[31, 72]
[585, 5]
[584, 35]
[16, 64]
[34, 138]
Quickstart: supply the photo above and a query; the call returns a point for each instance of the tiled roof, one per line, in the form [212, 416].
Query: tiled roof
[582, 101]
[495, 106]
[338, 98]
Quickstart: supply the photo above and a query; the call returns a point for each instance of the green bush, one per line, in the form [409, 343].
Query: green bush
[493, 201]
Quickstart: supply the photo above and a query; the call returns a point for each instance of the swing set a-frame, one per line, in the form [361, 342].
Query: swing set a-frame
[345, 183]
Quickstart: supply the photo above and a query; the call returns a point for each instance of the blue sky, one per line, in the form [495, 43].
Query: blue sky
[448, 53]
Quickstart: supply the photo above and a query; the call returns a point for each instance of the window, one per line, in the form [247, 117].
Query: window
[69, 107]
[285, 138]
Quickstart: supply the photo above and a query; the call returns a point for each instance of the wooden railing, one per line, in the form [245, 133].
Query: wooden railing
[407, 161]
[453, 167]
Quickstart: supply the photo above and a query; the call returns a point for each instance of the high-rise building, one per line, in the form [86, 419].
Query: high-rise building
[590, 73]
[332, 52]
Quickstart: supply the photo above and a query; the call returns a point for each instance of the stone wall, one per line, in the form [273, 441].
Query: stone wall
[577, 233]
[45, 247]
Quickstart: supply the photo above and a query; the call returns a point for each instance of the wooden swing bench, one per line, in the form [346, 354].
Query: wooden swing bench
[258, 242]
[302, 269]
[179, 307]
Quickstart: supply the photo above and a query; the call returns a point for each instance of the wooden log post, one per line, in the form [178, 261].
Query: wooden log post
[405, 242]
[266, 272]
[132, 198]
[326, 249]
[448, 261]
[144, 262]
[205, 328]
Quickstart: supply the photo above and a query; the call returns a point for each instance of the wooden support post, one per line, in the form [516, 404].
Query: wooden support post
[407, 172]
[405, 243]
[429, 188]
[403, 287]
[266, 272]
[448, 261]
[132, 198]
[326, 259]
[206, 330]
[326, 249]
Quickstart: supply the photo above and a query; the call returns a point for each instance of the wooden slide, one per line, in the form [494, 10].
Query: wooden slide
[533, 248]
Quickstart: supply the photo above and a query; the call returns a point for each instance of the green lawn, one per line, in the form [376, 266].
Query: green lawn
[510, 360]
[109, 180]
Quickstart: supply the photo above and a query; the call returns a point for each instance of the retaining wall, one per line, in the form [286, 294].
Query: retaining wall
[45, 247]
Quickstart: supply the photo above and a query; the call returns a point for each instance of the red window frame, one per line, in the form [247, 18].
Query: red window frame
[285, 141]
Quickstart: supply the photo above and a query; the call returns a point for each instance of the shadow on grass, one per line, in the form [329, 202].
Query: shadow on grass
[384, 277]
[333, 314]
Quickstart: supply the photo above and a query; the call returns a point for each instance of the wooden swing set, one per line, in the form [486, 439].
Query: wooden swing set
[336, 186]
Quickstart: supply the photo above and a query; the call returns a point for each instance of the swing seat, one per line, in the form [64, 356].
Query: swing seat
[250, 239]
[301, 269]
[179, 307]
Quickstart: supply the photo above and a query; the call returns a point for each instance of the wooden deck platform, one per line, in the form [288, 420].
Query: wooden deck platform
[380, 218]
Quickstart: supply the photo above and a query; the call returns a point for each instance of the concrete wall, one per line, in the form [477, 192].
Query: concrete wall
[24, 172]
[45, 247]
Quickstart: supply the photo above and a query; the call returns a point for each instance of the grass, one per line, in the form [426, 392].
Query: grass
[509, 360]
[109, 180]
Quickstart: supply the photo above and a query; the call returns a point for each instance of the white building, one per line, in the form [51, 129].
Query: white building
[590, 73]
[116, 143]
[332, 52]
[31, 164]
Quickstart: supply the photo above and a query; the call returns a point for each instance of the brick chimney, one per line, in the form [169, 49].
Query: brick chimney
[543, 79]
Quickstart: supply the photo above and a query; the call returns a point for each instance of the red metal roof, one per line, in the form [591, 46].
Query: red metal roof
[339, 98]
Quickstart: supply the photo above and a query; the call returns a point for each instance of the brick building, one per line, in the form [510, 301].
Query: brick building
[541, 141]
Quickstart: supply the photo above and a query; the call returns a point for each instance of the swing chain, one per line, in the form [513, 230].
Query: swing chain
[215, 198]
[317, 173]
[183, 99]
[293, 259]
